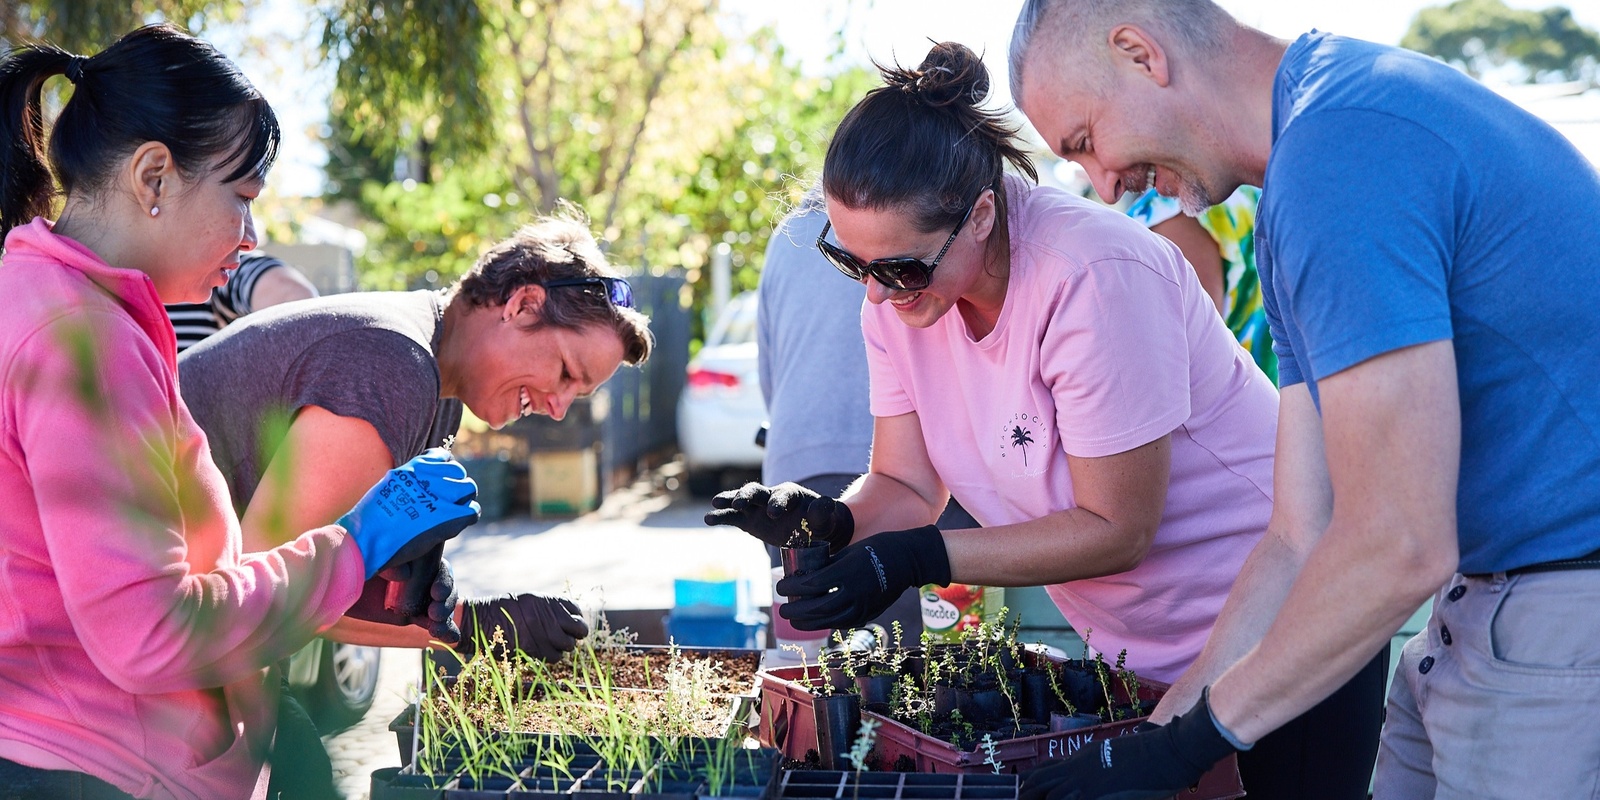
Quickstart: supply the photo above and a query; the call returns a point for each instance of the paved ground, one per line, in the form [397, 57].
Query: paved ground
[623, 556]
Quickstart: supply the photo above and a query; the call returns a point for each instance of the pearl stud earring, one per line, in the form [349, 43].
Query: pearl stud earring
[155, 211]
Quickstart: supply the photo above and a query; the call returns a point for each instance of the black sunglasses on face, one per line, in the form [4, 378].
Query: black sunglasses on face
[618, 291]
[904, 273]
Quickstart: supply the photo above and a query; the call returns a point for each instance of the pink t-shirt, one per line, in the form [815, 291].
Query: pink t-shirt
[1106, 342]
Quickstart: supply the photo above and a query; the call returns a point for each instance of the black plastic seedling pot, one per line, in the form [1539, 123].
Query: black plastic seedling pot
[801, 559]
[838, 720]
[794, 720]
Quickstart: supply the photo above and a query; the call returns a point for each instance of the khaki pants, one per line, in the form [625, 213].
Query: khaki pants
[1500, 695]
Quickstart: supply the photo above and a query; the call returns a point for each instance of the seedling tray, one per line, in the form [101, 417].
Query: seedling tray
[788, 722]
[741, 708]
[829, 785]
[752, 774]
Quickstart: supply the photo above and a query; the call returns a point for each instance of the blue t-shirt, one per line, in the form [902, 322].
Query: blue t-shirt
[1404, 203]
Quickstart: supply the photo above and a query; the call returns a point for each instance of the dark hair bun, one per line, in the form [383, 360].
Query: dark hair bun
[879, 156]
[951, 75]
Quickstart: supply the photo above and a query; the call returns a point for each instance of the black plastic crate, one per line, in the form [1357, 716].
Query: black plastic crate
[741, 707]
[808, 784]
[754, 775]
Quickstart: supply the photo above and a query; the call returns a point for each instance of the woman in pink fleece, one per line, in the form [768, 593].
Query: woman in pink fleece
[134, 632]
[1055, 367]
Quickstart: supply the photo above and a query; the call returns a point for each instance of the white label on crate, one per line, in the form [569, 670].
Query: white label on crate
[1067, 745]
[1064, 746]
[937, 613]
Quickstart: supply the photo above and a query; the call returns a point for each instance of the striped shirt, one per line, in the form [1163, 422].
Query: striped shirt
[193, 322]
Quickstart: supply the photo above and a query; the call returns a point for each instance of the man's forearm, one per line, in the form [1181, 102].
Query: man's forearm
[1392, 436]
[1344, 607]
[1257, 595]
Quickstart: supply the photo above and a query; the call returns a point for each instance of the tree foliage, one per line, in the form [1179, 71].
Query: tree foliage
[671, 133]
[1481, 36]
[782, 121]
[410, 70]
[88, 26]
[454, 121]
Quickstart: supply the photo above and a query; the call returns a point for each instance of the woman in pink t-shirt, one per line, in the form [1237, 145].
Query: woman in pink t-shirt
[1046, 360]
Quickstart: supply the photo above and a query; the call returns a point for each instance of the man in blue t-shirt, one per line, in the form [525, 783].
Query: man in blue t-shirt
[1431, 261]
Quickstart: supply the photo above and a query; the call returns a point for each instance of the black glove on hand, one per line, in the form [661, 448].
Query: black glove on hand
[411, 583]
[1154, 765]
[437, 615]
[542, 627]
[864, 579]
[772, 514]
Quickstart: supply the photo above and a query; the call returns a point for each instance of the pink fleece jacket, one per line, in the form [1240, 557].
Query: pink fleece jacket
[134, 632]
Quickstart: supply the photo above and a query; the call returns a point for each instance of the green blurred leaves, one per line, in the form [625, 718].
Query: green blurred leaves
[88, 26]
[1481, 36]
[411, 68]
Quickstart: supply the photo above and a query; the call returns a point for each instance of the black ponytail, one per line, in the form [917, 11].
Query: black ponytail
[26, 190]
[920, 143]
[156, 84]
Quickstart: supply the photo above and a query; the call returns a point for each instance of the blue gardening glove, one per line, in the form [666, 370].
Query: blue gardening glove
[417, 506]
[864, 579]
[1157, 762]
[773, 513]
[542, 627]
[437, 614]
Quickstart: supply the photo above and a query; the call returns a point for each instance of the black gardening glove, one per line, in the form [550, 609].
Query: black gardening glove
[542, 627]
[437, 615]
[773, 513]
[864, 579]
[1157, 763]
[411, 583]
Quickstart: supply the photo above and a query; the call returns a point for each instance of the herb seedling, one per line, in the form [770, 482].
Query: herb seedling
[801, 537]
[1130, 683]
[847, 660]
[1103, 674]
[866, 737]
[991, 753]
[960, 728]
[1011, 697]
[1054, 672]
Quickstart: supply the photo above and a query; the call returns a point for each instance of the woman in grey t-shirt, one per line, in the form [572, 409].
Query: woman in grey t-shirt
[306, 404]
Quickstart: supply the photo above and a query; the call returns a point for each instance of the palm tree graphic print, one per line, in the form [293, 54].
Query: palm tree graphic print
[1021, 438]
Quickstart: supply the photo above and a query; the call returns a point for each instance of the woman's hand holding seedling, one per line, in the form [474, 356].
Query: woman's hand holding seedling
[773, 514]
[864, 579]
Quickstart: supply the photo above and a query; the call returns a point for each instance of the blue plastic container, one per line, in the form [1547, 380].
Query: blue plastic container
[697, 631]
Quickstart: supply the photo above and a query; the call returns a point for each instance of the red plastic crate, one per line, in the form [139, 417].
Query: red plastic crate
[788, 722]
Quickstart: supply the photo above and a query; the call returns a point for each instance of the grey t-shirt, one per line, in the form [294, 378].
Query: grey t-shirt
[367, 355]
[812, 357]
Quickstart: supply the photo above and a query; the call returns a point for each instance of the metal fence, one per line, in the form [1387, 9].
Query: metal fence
[643, 402]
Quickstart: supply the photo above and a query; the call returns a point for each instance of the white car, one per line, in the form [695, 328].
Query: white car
[721, 408]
